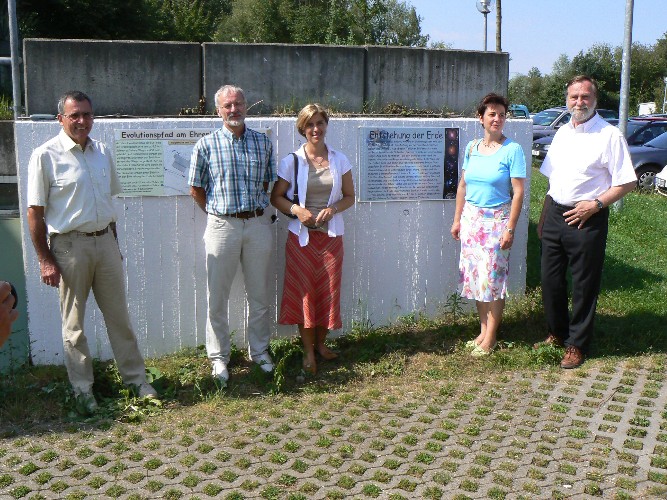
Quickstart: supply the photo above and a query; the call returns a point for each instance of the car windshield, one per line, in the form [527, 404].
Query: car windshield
[632, 127]
[546, 117]
[607, 113]
[659, 142]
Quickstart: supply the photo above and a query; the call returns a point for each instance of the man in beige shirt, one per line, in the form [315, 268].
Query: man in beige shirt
[71, 179]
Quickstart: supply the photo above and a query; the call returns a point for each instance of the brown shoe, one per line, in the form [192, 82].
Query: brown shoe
[573, 358]
[550, 340]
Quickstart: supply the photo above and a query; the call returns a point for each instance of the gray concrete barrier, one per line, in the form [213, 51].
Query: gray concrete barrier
[449, 80]
[7, 149]
[287, 76]
[122, 77]
[160, 78]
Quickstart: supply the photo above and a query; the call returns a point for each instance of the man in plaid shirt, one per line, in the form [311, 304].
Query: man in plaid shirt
[230, 172]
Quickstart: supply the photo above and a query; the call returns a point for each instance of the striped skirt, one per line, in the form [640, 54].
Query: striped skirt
[483, 266]
[311, 292]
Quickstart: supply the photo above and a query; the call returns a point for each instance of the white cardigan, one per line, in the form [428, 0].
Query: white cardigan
[338, 164]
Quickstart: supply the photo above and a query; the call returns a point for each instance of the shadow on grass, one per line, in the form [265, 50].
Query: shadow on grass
[37, 397]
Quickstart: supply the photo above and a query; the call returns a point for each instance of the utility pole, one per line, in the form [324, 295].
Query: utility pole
[499, 22]
[15, 59]
[625, 78]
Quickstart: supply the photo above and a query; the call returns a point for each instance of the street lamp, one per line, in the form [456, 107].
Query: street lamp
[484, 6]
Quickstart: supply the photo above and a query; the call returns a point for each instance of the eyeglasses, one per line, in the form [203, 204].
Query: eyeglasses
[76, 116]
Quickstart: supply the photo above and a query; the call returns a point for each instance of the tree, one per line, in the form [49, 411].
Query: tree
[603, 63]
[340, 22]
[188, 20]
[400, 26]
[95, 19]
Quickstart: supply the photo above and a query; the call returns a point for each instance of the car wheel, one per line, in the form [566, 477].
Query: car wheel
[646, 179]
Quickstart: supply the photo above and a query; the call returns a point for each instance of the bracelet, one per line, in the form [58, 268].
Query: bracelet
[335, 208]
[290, 208]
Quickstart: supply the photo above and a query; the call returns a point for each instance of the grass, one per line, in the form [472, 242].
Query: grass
[6, 111]
[416, 350]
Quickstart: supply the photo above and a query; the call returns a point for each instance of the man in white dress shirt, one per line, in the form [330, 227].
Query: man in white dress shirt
[589, 168]
[71, 179]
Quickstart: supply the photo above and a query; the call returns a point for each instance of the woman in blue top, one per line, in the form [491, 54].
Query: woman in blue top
[486, 217]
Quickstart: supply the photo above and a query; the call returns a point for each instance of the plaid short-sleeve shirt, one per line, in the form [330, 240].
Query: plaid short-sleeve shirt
[233, 170]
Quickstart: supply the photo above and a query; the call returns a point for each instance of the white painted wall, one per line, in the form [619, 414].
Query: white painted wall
[399, 256]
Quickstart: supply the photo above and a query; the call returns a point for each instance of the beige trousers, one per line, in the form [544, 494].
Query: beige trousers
[228, 242]
[94, 262]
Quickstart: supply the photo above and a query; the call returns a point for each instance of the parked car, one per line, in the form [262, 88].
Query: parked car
[518, 111]
[648, 160]
[541, 147]
[548, 121]
[661, 182]
[639, 131]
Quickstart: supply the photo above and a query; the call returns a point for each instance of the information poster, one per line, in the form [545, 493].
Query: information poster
[408, 163]
[155, 162]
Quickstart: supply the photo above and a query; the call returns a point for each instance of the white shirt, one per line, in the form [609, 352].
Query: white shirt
[339, 165]
[74, 185]
[585, 161]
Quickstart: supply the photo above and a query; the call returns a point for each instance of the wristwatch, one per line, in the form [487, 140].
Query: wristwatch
[599, 204]
[510, 230]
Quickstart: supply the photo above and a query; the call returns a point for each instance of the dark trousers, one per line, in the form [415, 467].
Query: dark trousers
[583, 251]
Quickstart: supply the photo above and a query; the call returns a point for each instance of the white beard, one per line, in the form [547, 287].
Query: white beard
[236, 123]
[583, 114]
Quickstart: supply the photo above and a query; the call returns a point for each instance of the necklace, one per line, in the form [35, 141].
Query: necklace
[493, 145]
[313, 158]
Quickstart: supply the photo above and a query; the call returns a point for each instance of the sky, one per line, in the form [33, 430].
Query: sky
[536, 32]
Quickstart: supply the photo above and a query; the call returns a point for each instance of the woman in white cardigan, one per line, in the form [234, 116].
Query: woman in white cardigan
[314, 249]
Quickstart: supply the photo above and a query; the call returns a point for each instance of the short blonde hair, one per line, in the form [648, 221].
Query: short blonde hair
[305, 115]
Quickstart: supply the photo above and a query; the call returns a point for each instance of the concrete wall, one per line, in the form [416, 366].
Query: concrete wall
[287, 75]
[7, 149]
[127, 78]
[453, 80]
[399, 256]
[160, 78]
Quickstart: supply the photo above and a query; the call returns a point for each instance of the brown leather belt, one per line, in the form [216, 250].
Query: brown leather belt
[247, 215]
[94, 233]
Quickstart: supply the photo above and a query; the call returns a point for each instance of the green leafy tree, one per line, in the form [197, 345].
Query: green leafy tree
[604, 63]
[86, 19]
[340, 22]
[188, 20]
[402, 26]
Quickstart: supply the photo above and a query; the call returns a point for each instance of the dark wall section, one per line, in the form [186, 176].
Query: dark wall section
[161, 78]
[126, 78]
[451, 80]
[287, 76]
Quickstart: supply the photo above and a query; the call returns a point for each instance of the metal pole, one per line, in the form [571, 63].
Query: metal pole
[14, 47]
[625, 79]
[499, 24]
[664, 99]
[485, 14]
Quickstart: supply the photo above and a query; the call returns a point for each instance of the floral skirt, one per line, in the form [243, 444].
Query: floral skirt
[483, 266]
[311, 293]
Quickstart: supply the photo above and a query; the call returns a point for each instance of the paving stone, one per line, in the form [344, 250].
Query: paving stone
[596, 431]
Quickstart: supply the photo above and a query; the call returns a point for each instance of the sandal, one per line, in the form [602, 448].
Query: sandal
[310, 368]
[479, 351]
